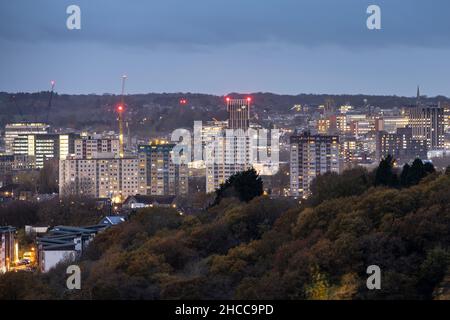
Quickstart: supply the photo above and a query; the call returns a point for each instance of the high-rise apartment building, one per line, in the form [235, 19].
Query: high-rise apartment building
[348, 150]
[427, 123]
[447, 118]
[164, 175]
[114, 178]
[226, 156]
[229, 150]
[342, 126]
[311, 155]
[97, 146]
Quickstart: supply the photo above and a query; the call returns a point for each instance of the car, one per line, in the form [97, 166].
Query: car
[23, 262]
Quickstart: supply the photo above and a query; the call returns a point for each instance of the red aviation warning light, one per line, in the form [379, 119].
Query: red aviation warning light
[120, 108]
[227, 99]
[183, 101]
[249, 99]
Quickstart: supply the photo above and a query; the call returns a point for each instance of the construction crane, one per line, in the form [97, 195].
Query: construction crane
[14, 101]
[120, 111]
[52, 83]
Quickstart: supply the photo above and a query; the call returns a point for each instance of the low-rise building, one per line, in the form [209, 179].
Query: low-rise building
[144, 201]
[63, 244]
[402, 145]
[112, 220]
[9, 192]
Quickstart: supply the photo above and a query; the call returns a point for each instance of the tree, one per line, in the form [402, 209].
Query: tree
[384, 175]
[19, 214]
[432, 270]
[404, 175]
[447, 171]
[412, 175]
[48, 177]
[319, 289]
[428, 167]
[352, 182]
[416, 173]
[244, 185]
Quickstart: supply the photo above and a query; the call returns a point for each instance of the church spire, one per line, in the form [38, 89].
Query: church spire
[418, 95]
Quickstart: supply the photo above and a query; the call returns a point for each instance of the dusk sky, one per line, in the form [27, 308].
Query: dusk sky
[222, 46]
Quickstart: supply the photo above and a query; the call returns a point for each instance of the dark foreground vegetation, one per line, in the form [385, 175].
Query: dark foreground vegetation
[267, 248]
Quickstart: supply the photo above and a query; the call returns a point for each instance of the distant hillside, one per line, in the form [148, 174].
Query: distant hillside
[149, 113]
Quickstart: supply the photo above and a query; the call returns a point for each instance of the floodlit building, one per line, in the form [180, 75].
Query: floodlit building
[390, 124]
[401, 145]
[447, 118]
[226, 156]
[349, 151]
[44, 147]
[229, 151]
[97, 146]
[311, 155]
[345, 109]
[323, 126]
[102, 178]
[427, 123]
[13, 130]
[207, 135]
[164, 176]
[342, 126]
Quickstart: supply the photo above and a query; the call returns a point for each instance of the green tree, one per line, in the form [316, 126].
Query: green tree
[429, 168]
[385, 175]
[432, 270]
[404, 175]
[416, 172]
[331, 185]
[447, 171]
[244, 185]
[47, 181]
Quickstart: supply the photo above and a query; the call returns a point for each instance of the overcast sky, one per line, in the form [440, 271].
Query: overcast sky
[221, 46]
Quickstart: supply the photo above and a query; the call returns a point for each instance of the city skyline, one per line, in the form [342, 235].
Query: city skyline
[223, 151]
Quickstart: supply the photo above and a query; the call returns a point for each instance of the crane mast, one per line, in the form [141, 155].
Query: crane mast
[121, 110]
[52, 89]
